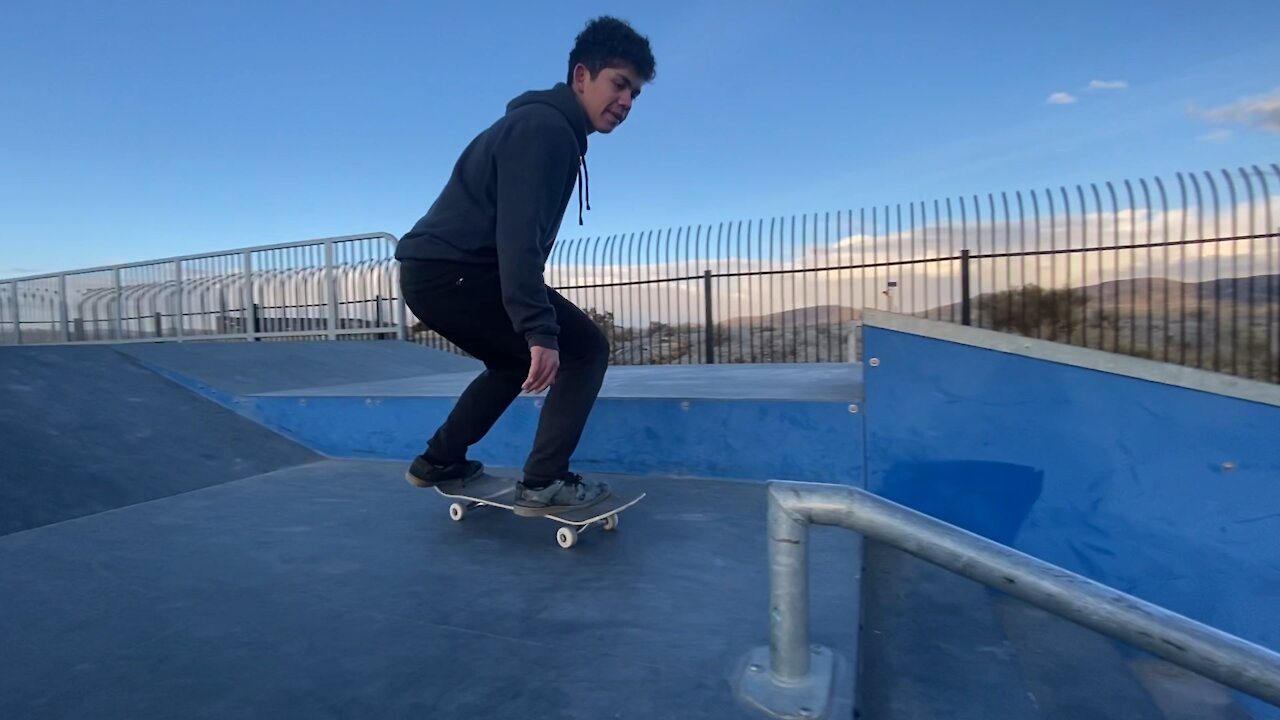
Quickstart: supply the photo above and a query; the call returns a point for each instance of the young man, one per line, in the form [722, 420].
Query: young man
[472, 270]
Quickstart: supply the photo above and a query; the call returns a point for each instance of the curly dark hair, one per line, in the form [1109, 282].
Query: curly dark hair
[609, 42]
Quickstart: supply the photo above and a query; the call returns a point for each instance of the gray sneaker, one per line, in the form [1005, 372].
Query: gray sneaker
[570, 492]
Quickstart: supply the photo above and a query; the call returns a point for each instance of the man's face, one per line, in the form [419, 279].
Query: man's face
[607, 99]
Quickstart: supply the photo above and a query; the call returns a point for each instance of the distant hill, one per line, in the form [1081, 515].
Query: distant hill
[1141, 294]
[1256, 289]
[819, 314]
[1124, 296]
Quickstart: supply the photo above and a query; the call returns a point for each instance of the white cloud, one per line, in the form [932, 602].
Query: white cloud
[1217, 136]
[1066, 98]
[1257, 111]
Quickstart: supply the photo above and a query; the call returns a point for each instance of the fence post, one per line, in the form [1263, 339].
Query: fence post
[64, 312]
[402, 332]
[181, 318]
[246, 298]
[710, 331]
[118, 325]
[17, 316]
[965, 318]
[331, 285]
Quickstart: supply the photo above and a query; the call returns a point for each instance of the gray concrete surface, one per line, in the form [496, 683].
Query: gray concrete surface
[243, 368]
[85, 429]
[937, 645]
[336, 590]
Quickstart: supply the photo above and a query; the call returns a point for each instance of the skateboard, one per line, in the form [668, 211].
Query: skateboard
[489, 491]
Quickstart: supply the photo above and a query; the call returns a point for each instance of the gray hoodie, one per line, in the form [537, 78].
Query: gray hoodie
[504, 202]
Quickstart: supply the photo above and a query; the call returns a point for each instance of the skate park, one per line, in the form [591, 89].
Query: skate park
[938, 360]
[214, 529]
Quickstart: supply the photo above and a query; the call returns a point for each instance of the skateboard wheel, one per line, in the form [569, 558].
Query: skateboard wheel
[611, 522]
[566, 537]
[456, 512]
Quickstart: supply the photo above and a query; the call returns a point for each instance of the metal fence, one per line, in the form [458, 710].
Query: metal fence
[1185, 270]
[335, 288]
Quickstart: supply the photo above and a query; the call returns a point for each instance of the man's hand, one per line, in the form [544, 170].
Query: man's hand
[543, 368]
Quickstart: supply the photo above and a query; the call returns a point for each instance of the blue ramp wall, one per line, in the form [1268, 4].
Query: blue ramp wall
[738, 439]
[754, 423]
[1169, 493]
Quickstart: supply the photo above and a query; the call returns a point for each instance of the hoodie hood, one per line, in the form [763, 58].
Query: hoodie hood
[560, 97]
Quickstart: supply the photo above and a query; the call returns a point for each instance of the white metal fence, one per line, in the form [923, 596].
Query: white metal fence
[332, 288]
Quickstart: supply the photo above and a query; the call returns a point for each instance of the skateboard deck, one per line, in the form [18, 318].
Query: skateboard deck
[490, 491]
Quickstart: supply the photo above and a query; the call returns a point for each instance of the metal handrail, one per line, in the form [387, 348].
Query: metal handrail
[793, 507]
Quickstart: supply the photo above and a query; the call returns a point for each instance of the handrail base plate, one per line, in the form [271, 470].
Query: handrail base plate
[810, 699]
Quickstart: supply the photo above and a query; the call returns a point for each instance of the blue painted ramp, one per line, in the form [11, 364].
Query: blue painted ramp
[1162, 482]
[383, 400]
[86, 429]
[793, 422]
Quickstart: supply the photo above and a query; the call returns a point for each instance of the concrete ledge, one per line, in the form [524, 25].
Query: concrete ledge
[791, 381]
[1086, 358]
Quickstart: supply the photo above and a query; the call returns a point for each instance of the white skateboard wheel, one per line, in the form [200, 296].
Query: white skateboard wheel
[456, 512]
[566, 537]
[611, 522]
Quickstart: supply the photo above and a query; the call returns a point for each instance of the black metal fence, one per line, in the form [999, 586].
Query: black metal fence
[1183, 271]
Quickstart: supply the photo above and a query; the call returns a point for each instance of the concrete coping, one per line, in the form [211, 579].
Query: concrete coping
[1088, 358]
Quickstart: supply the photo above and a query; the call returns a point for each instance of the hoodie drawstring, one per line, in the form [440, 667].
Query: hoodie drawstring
[582, 159]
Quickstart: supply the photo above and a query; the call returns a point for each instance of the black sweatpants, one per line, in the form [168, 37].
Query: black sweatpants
[463, 303]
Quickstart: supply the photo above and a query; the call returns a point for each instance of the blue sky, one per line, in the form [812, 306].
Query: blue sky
[133, 130]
